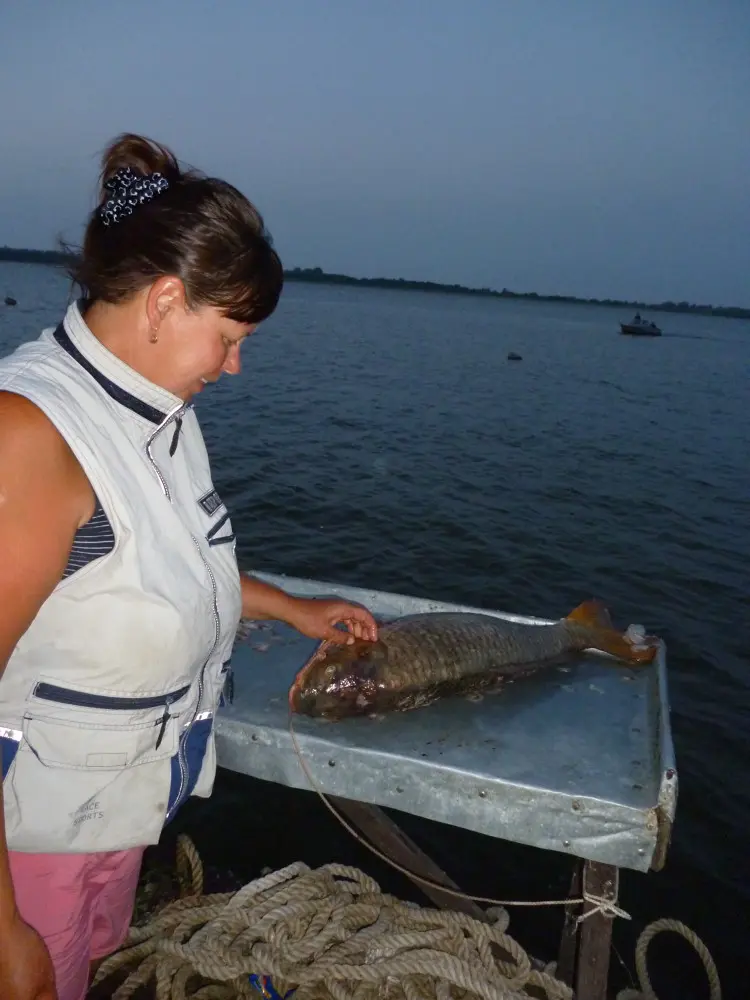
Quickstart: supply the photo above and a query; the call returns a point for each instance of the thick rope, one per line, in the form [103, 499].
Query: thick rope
[647, 935]
[330, 934]
[327, 934]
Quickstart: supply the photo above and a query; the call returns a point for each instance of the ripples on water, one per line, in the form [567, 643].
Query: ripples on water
[382, 438]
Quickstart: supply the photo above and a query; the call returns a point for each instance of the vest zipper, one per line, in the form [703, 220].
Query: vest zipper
[217, 636]
[177, 414]
[84, 699]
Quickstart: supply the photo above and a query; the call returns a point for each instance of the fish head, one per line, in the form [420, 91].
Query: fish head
[338, 681]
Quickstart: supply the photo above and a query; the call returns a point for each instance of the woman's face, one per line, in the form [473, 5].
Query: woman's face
[204, 346]
[189, 347]
[178, 347]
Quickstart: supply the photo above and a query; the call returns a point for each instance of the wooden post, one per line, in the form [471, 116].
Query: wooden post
[566, 956]
[388, 837]
[595, 933]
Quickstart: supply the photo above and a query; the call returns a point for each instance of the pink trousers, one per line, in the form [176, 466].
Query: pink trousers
[81, 904]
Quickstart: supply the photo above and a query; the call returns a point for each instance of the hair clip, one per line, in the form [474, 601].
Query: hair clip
[128, 189]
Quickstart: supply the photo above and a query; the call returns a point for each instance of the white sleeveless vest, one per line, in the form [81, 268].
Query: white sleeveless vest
[107, 702]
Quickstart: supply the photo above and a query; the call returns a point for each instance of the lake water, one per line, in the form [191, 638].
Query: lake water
[381, 438]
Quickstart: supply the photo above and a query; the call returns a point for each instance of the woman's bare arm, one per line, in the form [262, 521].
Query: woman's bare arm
[44, 498]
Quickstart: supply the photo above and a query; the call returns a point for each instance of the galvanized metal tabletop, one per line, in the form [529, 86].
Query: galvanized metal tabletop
[577, 759]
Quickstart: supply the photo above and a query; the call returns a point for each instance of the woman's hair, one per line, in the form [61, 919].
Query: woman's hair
[198, 228]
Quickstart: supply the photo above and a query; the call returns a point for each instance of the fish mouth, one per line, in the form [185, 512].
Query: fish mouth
[297, 700]
[339, 694]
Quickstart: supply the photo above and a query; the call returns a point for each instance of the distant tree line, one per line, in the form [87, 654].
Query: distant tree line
[319, 276]
[36, 256]
[316, 274]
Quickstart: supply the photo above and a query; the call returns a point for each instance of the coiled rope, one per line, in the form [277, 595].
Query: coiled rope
[331, 934]
[645, 938]
[327, 934]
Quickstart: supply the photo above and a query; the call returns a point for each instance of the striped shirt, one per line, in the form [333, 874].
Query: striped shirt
[92, 540]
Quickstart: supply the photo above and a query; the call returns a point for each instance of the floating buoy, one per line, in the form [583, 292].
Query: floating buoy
[9, 301]
[514, 357]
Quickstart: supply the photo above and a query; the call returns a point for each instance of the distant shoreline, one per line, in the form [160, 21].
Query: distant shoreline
[315, 275]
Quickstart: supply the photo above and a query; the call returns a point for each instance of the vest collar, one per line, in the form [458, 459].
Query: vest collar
[118, 380]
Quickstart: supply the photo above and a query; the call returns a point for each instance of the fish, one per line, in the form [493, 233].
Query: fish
[420, 658]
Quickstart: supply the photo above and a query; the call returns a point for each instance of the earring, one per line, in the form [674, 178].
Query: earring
[154, 336]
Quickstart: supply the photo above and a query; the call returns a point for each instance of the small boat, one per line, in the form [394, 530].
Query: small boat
[640, 327]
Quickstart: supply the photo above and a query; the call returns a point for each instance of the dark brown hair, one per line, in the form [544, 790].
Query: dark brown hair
[200, 229]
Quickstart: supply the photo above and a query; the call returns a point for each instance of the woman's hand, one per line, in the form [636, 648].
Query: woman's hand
[26, 971]
[311, 616]
[318, 620]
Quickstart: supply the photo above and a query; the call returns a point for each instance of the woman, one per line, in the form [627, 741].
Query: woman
[119, 585]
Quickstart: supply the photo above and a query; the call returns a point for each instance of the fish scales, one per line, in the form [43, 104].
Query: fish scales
[420, 658]
[451, 645]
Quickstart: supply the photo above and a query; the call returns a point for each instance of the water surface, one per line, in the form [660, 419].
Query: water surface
[382, 438]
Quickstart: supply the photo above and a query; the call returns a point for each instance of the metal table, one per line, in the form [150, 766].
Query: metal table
[577, 759]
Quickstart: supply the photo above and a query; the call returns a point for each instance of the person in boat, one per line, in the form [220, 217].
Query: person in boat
[119, 583]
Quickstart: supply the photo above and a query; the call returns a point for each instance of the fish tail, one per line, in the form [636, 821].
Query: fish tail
[592, 624]
[592, 614]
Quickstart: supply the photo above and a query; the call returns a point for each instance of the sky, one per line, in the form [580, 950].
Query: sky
[561, 146]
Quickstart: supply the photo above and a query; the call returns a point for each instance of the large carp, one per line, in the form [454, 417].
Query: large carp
[420, 658]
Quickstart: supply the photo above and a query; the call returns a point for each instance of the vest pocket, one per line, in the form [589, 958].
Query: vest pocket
[85, 731]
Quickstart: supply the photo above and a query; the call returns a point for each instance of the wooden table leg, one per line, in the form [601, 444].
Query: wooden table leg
[595, 933]
[566, 956]
[389, 838]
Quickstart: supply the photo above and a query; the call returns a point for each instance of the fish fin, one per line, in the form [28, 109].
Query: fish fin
[592, 613]
[592, 621]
